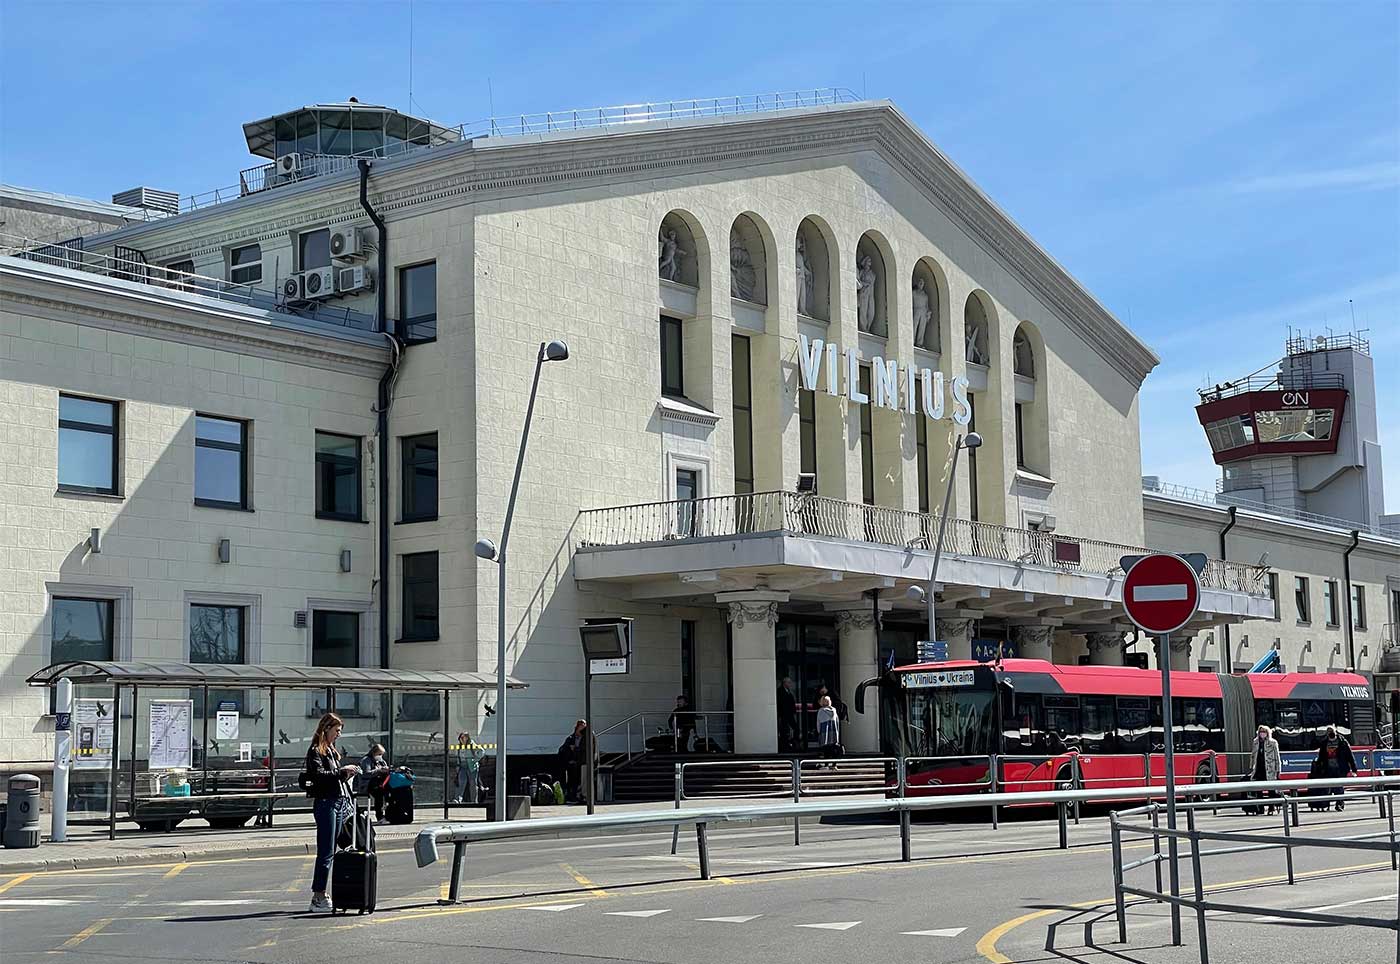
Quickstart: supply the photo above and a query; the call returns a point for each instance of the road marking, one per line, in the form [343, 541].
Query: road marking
[175, 871]
[730, 920]
[15, 882]
[553, 908]
[36, 902]
[844, 925]
[87, 932]
[1327, 907]
[939, 932]
[637, 913]
[213, 903]
[583, 881]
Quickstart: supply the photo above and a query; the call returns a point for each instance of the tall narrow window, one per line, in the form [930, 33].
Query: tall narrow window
[420, 477]
[807, 431]
[245, 264]
[743, 414]
[82, 629]
[335, 641]
[972, 457]
[1020, 437]
[1329, 602]
[688, 664]
[218, 634]
[921, 456]
[867, 443]
[420, 596]
[337, 477]
[1301, 602]
[220, 462]
[672, 362]
[687, 492]
[87, 445]
[1273, 594]
[1358, 607]
[418, 302]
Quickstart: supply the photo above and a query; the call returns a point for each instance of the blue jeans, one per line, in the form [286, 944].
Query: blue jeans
[327, 814]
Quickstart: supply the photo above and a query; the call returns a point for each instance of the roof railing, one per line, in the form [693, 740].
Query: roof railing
[1225, 499]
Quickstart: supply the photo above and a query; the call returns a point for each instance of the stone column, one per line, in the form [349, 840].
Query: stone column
[860, 658]
[957, 631]
[1180, 647]
[1033, 642]
[753, 616]
[1105, 649]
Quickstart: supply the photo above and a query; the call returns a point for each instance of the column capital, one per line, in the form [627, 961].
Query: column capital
[1107, 640]
[1181, 644]
[854, 619]
[1034, 635]
[957, 626]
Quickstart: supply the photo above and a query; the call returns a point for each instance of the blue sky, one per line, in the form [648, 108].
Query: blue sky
[1213, 172]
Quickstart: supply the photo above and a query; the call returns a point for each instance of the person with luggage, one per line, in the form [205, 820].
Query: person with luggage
[1267, 762]
[328, 783]
[828, 730]
[469, 757]
[682, 724]
[374, 779]
[571, 761]
[584, 743]
[1336, 761]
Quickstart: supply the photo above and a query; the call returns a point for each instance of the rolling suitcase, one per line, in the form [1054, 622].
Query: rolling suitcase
[355, 871]
[398, 805]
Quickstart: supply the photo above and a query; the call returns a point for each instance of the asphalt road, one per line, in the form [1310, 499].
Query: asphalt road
[971, 894]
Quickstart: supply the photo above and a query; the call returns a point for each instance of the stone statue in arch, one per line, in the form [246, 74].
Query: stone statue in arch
[923, 313]
[976, 354]
[742, 277]
[804, 278]
[1023, 355]
[865, 294]
[669, 262]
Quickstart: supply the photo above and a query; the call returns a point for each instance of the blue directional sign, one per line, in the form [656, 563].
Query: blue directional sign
[933, 651]
[987, 650]
[1386, 759]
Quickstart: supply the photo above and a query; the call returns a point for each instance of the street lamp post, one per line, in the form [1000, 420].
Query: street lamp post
[970, 441]
[486, 549]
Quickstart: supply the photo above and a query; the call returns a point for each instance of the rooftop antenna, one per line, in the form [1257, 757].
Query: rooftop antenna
[1352, 305]
[410, 54]
[490, 97]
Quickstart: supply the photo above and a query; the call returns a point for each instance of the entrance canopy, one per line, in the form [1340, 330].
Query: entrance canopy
[233, 675]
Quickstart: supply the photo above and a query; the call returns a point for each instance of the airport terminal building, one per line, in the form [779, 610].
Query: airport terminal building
[268, 424]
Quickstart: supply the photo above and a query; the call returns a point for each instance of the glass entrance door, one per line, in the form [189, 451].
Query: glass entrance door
[808, 658]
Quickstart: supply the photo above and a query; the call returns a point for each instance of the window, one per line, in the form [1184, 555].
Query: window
[1020, 437]
[1301, 602]
[867, 442]
[87, 445]
[335, 641]
[174, 272]
[337, 477]
[1358, 607]
[1273, 594]
[1231, 433]
[688, 665]
[972, 457]
[807, 431]
[82, 629]
[1096, 733]
[314, 249]
[672, 364]
[1329, 602]
[245, 264]
[218, 634]
[418, 302]
[420, 596]
[220, 462]
[687, 491]
[743, 414]
[921, 456]
[419, 477]
[1294, 425]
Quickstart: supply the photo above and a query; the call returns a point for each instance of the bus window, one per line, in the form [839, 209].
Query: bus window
[1061, 723]
[1197, 725]
[1134, 725]
[1264, 714]
[952, 722]
[1288, 727]
[1022, 725]
[1097, 725]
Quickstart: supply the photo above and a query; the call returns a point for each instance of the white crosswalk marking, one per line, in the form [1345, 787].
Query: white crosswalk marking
[730, 920]
[844, 925]
[554, 908]
[938, 932]
[35, 902]
[637, 913]
[1326, 907]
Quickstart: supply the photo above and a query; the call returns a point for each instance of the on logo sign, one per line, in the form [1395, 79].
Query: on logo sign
[1295, 398]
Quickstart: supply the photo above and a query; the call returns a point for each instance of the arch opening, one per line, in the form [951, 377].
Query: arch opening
[872, 300]
[813, 267]
[678, 251]
[927, 309]
[748, 262]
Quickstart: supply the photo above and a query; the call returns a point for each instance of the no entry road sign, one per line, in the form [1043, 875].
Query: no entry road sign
[1161, 592]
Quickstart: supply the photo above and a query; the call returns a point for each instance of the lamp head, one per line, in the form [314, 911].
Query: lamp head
[806, 482]
[556, 351]
[916, 593]
[486, 549]
[972, 441]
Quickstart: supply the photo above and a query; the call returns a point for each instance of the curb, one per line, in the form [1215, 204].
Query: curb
[108, 861]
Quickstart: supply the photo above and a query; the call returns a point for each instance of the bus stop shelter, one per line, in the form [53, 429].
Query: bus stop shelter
[410, 712]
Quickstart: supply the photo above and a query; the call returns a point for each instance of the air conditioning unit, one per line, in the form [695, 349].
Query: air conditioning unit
[345, 244]
[318, 283]
[288, 165]
[292, 288]
[348, 281]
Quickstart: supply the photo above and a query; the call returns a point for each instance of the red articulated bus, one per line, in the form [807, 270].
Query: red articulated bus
[1041, 718]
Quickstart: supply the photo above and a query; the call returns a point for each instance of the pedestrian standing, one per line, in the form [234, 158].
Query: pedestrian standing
[469, 757]
[828, 729]
[584, 745]
[787, 717]
[373, 778]
[682, 724]
[1267, 762]
[329, 786]
[1336, 761]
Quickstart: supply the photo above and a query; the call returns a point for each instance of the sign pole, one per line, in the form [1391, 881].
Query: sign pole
[1169, 753]
[62, 759]
[588, 732]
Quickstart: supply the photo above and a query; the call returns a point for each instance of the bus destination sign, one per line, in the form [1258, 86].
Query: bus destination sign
[929, 679]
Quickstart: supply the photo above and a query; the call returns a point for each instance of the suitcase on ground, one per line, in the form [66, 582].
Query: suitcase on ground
[398, 805]
[355, 872]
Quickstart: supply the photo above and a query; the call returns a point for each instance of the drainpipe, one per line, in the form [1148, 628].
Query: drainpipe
[1346, 579]
[381, 409]
[1228, 660]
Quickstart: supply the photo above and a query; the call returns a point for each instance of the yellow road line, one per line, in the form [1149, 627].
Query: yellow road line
[15, 882]
[987, 944]
[583, 881]
[174, 871]
[87, 932]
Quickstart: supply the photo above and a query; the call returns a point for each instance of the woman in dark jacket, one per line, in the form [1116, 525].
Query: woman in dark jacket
[334, 802]
[1335, 760]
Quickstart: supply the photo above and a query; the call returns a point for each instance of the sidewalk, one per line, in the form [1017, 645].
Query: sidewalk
[88, 847]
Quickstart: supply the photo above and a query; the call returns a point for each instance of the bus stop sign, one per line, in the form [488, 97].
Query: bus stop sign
[1161, 592]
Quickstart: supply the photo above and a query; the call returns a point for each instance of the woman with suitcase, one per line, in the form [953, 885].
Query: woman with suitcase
[327, 782]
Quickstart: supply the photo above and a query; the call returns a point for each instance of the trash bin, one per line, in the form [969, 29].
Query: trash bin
[517, 807]
[22, 811]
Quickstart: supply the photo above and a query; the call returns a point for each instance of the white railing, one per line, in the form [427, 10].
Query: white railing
[792, 513]
[1224, 499]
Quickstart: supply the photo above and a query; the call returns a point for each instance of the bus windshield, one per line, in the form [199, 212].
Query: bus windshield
[949, 722]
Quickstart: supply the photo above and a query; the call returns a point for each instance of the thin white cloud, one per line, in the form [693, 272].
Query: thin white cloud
[1359, 177]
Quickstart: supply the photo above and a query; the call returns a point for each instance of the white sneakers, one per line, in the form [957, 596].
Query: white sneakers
[320, 905]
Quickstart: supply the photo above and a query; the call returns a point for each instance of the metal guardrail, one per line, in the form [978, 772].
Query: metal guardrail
[1185, 493]
[1384, 795]
[426, 844]
[621, 733]
[662, 523]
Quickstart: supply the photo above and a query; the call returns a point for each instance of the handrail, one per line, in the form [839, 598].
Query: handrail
[458, 835]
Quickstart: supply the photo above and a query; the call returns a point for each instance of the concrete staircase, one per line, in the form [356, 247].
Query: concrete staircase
[653, 777]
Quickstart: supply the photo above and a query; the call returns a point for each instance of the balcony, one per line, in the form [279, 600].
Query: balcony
[823, 549]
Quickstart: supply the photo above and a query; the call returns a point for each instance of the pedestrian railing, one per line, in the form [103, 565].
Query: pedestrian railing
[458, 835]
[1381, 790]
